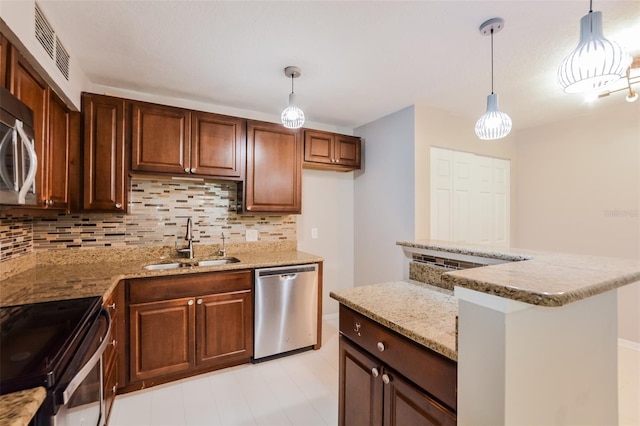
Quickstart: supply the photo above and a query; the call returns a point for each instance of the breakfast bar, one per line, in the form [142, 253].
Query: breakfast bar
[535, 332]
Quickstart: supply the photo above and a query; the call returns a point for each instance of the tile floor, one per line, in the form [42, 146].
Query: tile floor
[297, 390]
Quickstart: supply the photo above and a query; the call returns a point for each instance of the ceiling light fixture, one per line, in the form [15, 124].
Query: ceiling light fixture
[292, 117]
[596, 62]
[493, 124]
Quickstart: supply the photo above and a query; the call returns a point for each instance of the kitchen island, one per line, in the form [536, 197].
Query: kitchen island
[537, 332]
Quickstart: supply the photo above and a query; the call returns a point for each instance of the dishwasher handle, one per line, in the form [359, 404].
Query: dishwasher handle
[266, 272]
[285, 277]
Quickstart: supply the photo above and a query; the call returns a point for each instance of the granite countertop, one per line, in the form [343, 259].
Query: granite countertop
[18, 408]
[94, 273]
[420, 312]
[534, 277]
[69, 274]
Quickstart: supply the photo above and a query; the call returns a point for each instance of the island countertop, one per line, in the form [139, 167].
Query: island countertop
[420, 312]
[533, 277]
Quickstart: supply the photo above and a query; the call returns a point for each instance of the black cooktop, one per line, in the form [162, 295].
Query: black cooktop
[38, 340]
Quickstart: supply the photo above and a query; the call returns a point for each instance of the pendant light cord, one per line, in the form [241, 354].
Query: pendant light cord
[492, 61]
[291, 83]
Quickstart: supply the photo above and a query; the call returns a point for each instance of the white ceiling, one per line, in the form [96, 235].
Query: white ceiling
[360, 60]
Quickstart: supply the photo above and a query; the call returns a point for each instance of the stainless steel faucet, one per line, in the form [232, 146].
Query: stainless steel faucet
[222, 252]
[188, 250]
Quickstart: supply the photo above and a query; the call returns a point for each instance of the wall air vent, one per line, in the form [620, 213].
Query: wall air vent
[44, 32]
[62, 59]
[51, 43]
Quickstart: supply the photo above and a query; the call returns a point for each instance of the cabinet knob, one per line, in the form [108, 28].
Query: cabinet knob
[48, 202]
[193, 170]
[381, 347]
[112, 306]
[190, 302]
[386, 379]
[114, 389]
[118, 205]
[186, 170]
[113, 343]
[199, 301]
[375, 372]
[357, 328]
[337, 160]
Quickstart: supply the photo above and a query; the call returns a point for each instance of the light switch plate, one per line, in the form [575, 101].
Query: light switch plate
[252, 235]
[314, 233]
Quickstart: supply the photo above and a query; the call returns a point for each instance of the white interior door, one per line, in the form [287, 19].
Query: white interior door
[470, 199]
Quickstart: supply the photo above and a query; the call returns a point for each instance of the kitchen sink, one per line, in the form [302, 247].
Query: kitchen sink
[175, 265]
[216, 262]
[161, 266]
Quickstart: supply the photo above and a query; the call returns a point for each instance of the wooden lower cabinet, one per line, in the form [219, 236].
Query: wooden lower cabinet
[372, 392]
[111, 359]
[181, 326]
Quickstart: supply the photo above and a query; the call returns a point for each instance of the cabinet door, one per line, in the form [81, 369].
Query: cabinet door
[360, 387]
[318, 147]
[104, 153]
[347, 151]
[406, 404]
[161, 338]
[274, 169]
[31, 89]
[217, 145]
[58, 159]
[4, 62]
[224, 328]
[160, 139]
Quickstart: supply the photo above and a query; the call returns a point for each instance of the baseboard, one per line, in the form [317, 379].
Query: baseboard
[629, 344]
[329, 317]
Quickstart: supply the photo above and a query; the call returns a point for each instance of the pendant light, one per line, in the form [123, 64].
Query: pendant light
[493, 124]
[292, 117]
[596, 62]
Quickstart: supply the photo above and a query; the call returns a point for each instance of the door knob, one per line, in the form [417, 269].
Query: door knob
[375, 372]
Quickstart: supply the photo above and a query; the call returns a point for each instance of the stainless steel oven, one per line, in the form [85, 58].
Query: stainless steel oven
[58, 345]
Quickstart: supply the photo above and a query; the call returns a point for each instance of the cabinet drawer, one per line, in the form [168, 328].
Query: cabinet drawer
[432, 372]
[175, 287]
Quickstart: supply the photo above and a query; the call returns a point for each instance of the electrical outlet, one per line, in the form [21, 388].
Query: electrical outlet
[314, 233]
[252, 235]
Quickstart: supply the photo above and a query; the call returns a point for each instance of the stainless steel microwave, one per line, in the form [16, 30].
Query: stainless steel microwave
[18, 162]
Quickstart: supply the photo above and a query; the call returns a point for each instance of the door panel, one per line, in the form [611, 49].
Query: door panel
[217, 144]
[161, 338]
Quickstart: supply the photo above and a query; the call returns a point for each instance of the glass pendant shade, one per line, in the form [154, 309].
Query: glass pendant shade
[595, 63]
[493, 124]
[292, 117]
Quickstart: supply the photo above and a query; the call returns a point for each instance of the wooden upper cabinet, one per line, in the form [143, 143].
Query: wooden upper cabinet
[59, 153]
[217, 145]
[274, 169]
[4, 61]
[105, 172]
[330, 151]
[160, 139]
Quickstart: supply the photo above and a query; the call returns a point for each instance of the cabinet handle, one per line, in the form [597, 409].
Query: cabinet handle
[113, 343]
[118, 205]
[114, 388]
[357, 329]
[186, 170]
[386, 379]
[381, 347]
[375, 372]
[337, 160]
[48, 202]
[193, 170]
[190, 302]
[199, 301]
[112, 306]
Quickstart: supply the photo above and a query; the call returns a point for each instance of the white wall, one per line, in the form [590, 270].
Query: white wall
[19, 16]
[384, 198]
[578, 186]
[327, 205]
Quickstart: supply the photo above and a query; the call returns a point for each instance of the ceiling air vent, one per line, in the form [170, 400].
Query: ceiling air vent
[51, 43]
[44, 32]
[62, 59]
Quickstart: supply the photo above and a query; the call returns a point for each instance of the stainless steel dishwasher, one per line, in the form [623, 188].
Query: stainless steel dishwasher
[286, 310]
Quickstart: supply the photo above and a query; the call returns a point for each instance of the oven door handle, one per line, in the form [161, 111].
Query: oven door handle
[86, 369]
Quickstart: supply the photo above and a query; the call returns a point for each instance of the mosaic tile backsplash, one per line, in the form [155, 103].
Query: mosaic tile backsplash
[158, 212]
